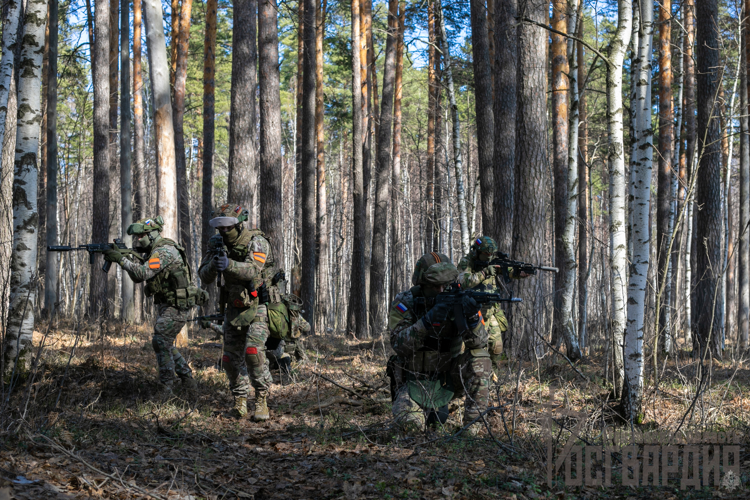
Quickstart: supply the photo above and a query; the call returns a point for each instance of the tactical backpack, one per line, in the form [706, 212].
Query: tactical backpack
[285, 320]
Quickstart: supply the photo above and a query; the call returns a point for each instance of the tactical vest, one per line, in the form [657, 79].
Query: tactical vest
[436, 353]
[238, 252]
[171, 286]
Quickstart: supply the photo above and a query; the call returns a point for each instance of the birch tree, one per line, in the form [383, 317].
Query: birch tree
[20, 326]
[617, 183]
[10, 29]
[641, 165]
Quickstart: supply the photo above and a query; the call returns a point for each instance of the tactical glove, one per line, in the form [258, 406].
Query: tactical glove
[221, 262]
[471, 311]
[490, 271]
[113, 255]
[436, 316]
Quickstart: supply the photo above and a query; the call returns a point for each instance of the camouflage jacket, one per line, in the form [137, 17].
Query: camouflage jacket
[164, 270]
[469, 276]
[410, 334]
[250, 265]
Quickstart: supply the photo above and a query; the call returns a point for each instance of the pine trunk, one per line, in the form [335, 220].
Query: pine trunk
[617, 189]
[743, 264]
[432, 92]
[397, 216]
[178, 110]
[506, 38]
[139, 195]
[166, 175]
[242, 155]
[529, 224]
[322, 200]
[308, 165]
[378, 304]
[583, 198]
[358, 296]
[271, 202]
[126, 175]
[483, 106]
[100, 226]
[20, 327]
[707, 312]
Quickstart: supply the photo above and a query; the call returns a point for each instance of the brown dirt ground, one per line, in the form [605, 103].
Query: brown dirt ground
[91, 426]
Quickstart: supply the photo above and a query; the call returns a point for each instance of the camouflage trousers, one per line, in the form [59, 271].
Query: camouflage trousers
[244, 357]
[496, 324]
[470, 376]
[169, 322]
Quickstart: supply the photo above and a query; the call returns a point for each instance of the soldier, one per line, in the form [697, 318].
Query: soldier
[429, 368]
[168, 280]
[245, 259]
[470, 277]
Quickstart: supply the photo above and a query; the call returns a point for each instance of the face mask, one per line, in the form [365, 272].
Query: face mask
[484, 257]
[230, 236]
[142, 243]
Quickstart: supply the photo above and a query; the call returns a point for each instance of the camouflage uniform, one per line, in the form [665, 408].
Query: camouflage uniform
[471, 277]
[435, 352]
[246, 320]
[165, 261]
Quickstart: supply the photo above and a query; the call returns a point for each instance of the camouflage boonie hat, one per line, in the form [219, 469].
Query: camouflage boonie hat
[146, 225]
[228, 214]
[484, 244]
[434, 269]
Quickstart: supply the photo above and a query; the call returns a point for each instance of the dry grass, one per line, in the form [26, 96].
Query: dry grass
[330, 435]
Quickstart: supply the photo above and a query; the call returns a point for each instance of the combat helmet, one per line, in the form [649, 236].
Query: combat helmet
[483, 244]
[146, 226]
[228, 214]
[434, 269]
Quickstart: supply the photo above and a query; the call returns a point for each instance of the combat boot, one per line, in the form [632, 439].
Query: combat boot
[189, 385]
[261, 406]
[285, 369]
[164, 390]
[240, 408]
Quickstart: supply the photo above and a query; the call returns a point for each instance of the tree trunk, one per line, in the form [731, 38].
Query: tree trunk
[139, 198]
[322, 200]
[298, 145]
[100, 227]
[432, 92]
[271, 219]
[397, 253]
[166, 181]
[378, 304]
[529, 224]
[20, 327]
[664, 189]
[308, 165]
[506, 37]
[174, 35]
[743, 264]
[358, 297]
[568, 237]
[53, 259]
[617, 187]
[178, 110]
[10, 30]
[560, 70]
[686, 173]
[483, 106]
[583, 198]
[114, 167]
[126, 176]
[242, 156]
[706, 315]
[641, 165]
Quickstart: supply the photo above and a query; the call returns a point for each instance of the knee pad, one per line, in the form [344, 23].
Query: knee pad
[226, 359]
[254, 356]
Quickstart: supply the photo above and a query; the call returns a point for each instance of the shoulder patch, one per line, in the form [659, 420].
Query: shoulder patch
[401, 307]
[154, 262]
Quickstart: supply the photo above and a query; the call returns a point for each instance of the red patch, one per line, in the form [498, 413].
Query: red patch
[254, 293]
[225, 359]
[251, 350]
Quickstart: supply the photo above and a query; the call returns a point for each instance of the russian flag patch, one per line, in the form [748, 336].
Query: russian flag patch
[478, 242]
[401, 307]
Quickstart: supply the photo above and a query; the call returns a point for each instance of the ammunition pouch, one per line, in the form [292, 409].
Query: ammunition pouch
[240, 296]
[426, 364]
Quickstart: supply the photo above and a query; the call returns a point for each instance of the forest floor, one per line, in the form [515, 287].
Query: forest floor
[89, 425]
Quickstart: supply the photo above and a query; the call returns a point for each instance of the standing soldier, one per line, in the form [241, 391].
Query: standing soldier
[245, 259]
[429, 368]
[168, 281]
[474, 275]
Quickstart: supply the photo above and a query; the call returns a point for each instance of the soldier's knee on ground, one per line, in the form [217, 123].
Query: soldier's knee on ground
[407, 412]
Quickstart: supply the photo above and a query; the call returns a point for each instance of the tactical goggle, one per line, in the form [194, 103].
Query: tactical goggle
[140, 228]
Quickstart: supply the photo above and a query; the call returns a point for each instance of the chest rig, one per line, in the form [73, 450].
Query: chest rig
[171, 285]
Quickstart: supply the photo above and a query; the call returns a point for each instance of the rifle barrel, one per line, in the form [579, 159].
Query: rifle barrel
[546, 268]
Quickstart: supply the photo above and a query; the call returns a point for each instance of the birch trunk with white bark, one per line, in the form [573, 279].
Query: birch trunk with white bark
[23, 295]
[617, 185]
[10, 30]
[641, 165]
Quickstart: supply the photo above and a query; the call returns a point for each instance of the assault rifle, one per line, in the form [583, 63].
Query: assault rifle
[216, 318]
[455, 296]
[506, 263]
[219, 249]
[94, 248]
